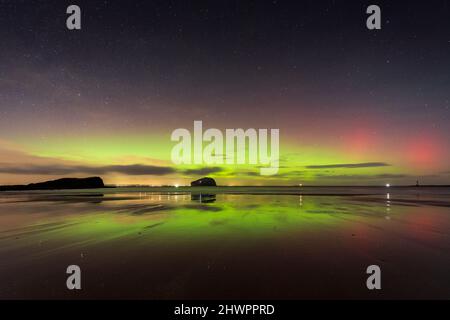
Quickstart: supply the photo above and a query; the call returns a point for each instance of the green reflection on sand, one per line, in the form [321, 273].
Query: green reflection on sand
[164, 219]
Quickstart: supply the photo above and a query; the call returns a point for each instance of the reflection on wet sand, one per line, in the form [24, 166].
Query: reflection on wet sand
[203, 197]
[161, 244]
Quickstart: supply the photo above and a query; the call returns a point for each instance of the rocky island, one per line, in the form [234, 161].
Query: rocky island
[60, 184]
[204, 182]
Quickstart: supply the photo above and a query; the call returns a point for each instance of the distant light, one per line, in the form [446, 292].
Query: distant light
[300, 185]
[387, 185]
[177, 185]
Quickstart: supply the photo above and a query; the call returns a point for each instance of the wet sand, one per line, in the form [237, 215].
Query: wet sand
[226, 243]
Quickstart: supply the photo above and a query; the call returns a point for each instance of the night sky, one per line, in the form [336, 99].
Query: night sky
[354, 106]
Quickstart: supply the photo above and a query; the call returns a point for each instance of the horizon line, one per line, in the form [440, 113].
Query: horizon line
[284, 186]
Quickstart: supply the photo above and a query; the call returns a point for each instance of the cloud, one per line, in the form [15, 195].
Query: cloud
[138, 169]
[203, 171]
[280, 175]
[134, 169]
[364, 177]
[36, 169]
[349, 165]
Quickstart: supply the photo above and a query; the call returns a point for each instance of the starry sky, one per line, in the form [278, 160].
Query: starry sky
[354, 106]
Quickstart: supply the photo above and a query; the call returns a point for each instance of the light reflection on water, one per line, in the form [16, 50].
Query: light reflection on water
[167, 239]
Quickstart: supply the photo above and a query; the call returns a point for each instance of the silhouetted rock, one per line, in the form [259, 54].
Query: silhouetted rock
[204, 182]
[65, 183]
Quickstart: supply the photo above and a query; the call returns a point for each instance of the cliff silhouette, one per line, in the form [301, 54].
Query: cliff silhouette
[60, 184]
[204, 182]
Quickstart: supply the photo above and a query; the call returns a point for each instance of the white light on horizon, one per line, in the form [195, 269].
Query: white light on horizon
[387, 185]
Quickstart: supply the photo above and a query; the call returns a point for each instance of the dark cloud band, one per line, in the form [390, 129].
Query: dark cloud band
[135, 169]
[349, 165]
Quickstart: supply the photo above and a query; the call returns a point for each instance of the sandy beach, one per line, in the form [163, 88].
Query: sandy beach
[226, 243]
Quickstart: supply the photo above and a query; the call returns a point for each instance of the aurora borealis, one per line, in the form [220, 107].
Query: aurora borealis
[353, 106]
